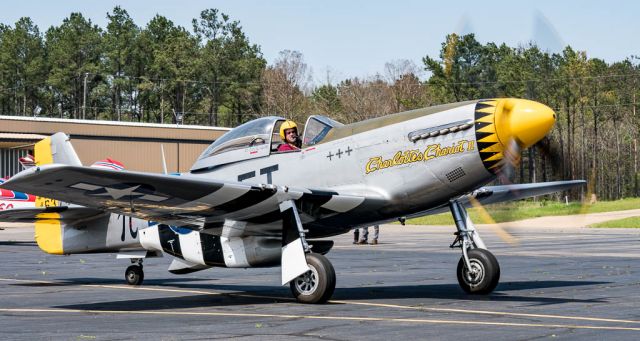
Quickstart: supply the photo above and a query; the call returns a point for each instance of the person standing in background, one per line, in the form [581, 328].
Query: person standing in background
[364, 235]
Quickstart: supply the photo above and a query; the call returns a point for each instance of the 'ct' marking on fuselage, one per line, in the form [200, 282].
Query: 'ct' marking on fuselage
[266, 170]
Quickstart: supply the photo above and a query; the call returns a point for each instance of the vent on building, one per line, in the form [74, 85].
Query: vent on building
[455, 174]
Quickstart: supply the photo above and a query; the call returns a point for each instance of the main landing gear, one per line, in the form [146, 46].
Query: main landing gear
[316, 285]
[134, 274]
[311, 276]
[478, 269]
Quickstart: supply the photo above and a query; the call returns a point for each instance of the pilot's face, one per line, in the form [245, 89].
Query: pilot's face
[291, 135]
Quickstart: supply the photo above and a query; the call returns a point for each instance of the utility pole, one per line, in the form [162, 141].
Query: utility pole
[162, 101]
[635, 165]
[84, 97]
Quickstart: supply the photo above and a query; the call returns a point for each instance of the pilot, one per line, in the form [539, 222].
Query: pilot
[289, 135]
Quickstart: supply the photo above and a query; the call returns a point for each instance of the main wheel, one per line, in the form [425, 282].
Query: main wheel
[484, 274]
[134, 275]
[317, 284]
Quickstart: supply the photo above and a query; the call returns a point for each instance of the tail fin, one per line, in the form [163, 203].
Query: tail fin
[56, 149]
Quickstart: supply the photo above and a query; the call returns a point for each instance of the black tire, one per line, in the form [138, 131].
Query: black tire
[487, 275]
[316, 285]
[134, 275]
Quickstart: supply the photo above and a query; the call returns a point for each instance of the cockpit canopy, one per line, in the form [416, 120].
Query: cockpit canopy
[317, 128]
[259, 138]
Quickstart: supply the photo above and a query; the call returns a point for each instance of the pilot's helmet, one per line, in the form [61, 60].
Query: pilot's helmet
[288, 124]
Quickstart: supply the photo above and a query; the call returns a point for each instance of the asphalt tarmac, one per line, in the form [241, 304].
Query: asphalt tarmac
[560, 283]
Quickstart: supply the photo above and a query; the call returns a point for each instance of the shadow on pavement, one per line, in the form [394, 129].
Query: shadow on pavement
[18, 243]
[252, 295]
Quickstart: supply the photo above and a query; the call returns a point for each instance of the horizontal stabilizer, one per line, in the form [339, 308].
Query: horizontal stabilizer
[68, 215]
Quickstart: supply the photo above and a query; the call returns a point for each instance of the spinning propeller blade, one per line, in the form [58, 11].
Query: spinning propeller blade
[497, 229]
[517, 124]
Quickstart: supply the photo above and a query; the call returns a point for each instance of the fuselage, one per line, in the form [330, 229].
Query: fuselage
[404, 163]
[344, 177]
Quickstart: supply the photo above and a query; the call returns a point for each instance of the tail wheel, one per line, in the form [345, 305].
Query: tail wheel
[134, 275]
[316, 285]
[484, 274]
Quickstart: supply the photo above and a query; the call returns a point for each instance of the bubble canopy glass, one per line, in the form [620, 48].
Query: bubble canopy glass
[249, 140]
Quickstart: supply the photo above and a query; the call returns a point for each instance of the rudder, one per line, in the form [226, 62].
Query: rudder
[56, 149]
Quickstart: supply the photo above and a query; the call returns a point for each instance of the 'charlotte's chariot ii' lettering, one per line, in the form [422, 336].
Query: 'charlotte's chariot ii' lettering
[432, 151]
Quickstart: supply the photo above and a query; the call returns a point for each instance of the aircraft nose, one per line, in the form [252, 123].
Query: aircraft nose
[524, 121]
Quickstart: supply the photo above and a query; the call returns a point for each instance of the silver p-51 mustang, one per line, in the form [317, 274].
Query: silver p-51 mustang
[246, 203]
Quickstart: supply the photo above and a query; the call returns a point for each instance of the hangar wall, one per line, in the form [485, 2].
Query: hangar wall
[136, 145]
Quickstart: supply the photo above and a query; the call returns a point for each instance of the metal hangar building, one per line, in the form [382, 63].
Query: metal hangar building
[136, 145]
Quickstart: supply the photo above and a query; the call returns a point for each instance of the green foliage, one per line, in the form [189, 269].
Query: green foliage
[632, 222]
[154, 74]
[327, 100]
[73, 50]
[22, 67]
[229, 66]
[464, 63]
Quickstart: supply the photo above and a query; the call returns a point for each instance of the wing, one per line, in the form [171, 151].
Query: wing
[176, 200]
[68, 215]
[495, 194]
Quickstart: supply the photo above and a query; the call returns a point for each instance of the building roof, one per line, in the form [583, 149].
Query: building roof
[109, 123]
[110, 130]
[16, 140]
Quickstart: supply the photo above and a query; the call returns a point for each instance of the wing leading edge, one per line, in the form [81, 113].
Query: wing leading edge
[495, 194]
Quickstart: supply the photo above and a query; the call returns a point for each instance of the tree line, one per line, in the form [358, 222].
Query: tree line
[159, 73]
[211, 74]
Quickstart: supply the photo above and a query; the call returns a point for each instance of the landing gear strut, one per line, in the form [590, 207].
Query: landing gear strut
[134, 274]
[311, 276]
[478, 269]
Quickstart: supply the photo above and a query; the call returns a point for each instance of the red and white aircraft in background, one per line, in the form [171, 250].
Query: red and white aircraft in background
[12, 199]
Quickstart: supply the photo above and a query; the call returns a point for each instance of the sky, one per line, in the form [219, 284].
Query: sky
[341, 39]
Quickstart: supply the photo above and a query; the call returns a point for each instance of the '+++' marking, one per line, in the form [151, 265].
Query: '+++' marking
[339, 153]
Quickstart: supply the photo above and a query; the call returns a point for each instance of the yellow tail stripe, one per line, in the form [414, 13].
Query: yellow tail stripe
[42, 151]
[48, 233]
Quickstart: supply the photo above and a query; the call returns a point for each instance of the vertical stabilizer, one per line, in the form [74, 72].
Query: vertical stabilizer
[56, 149]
